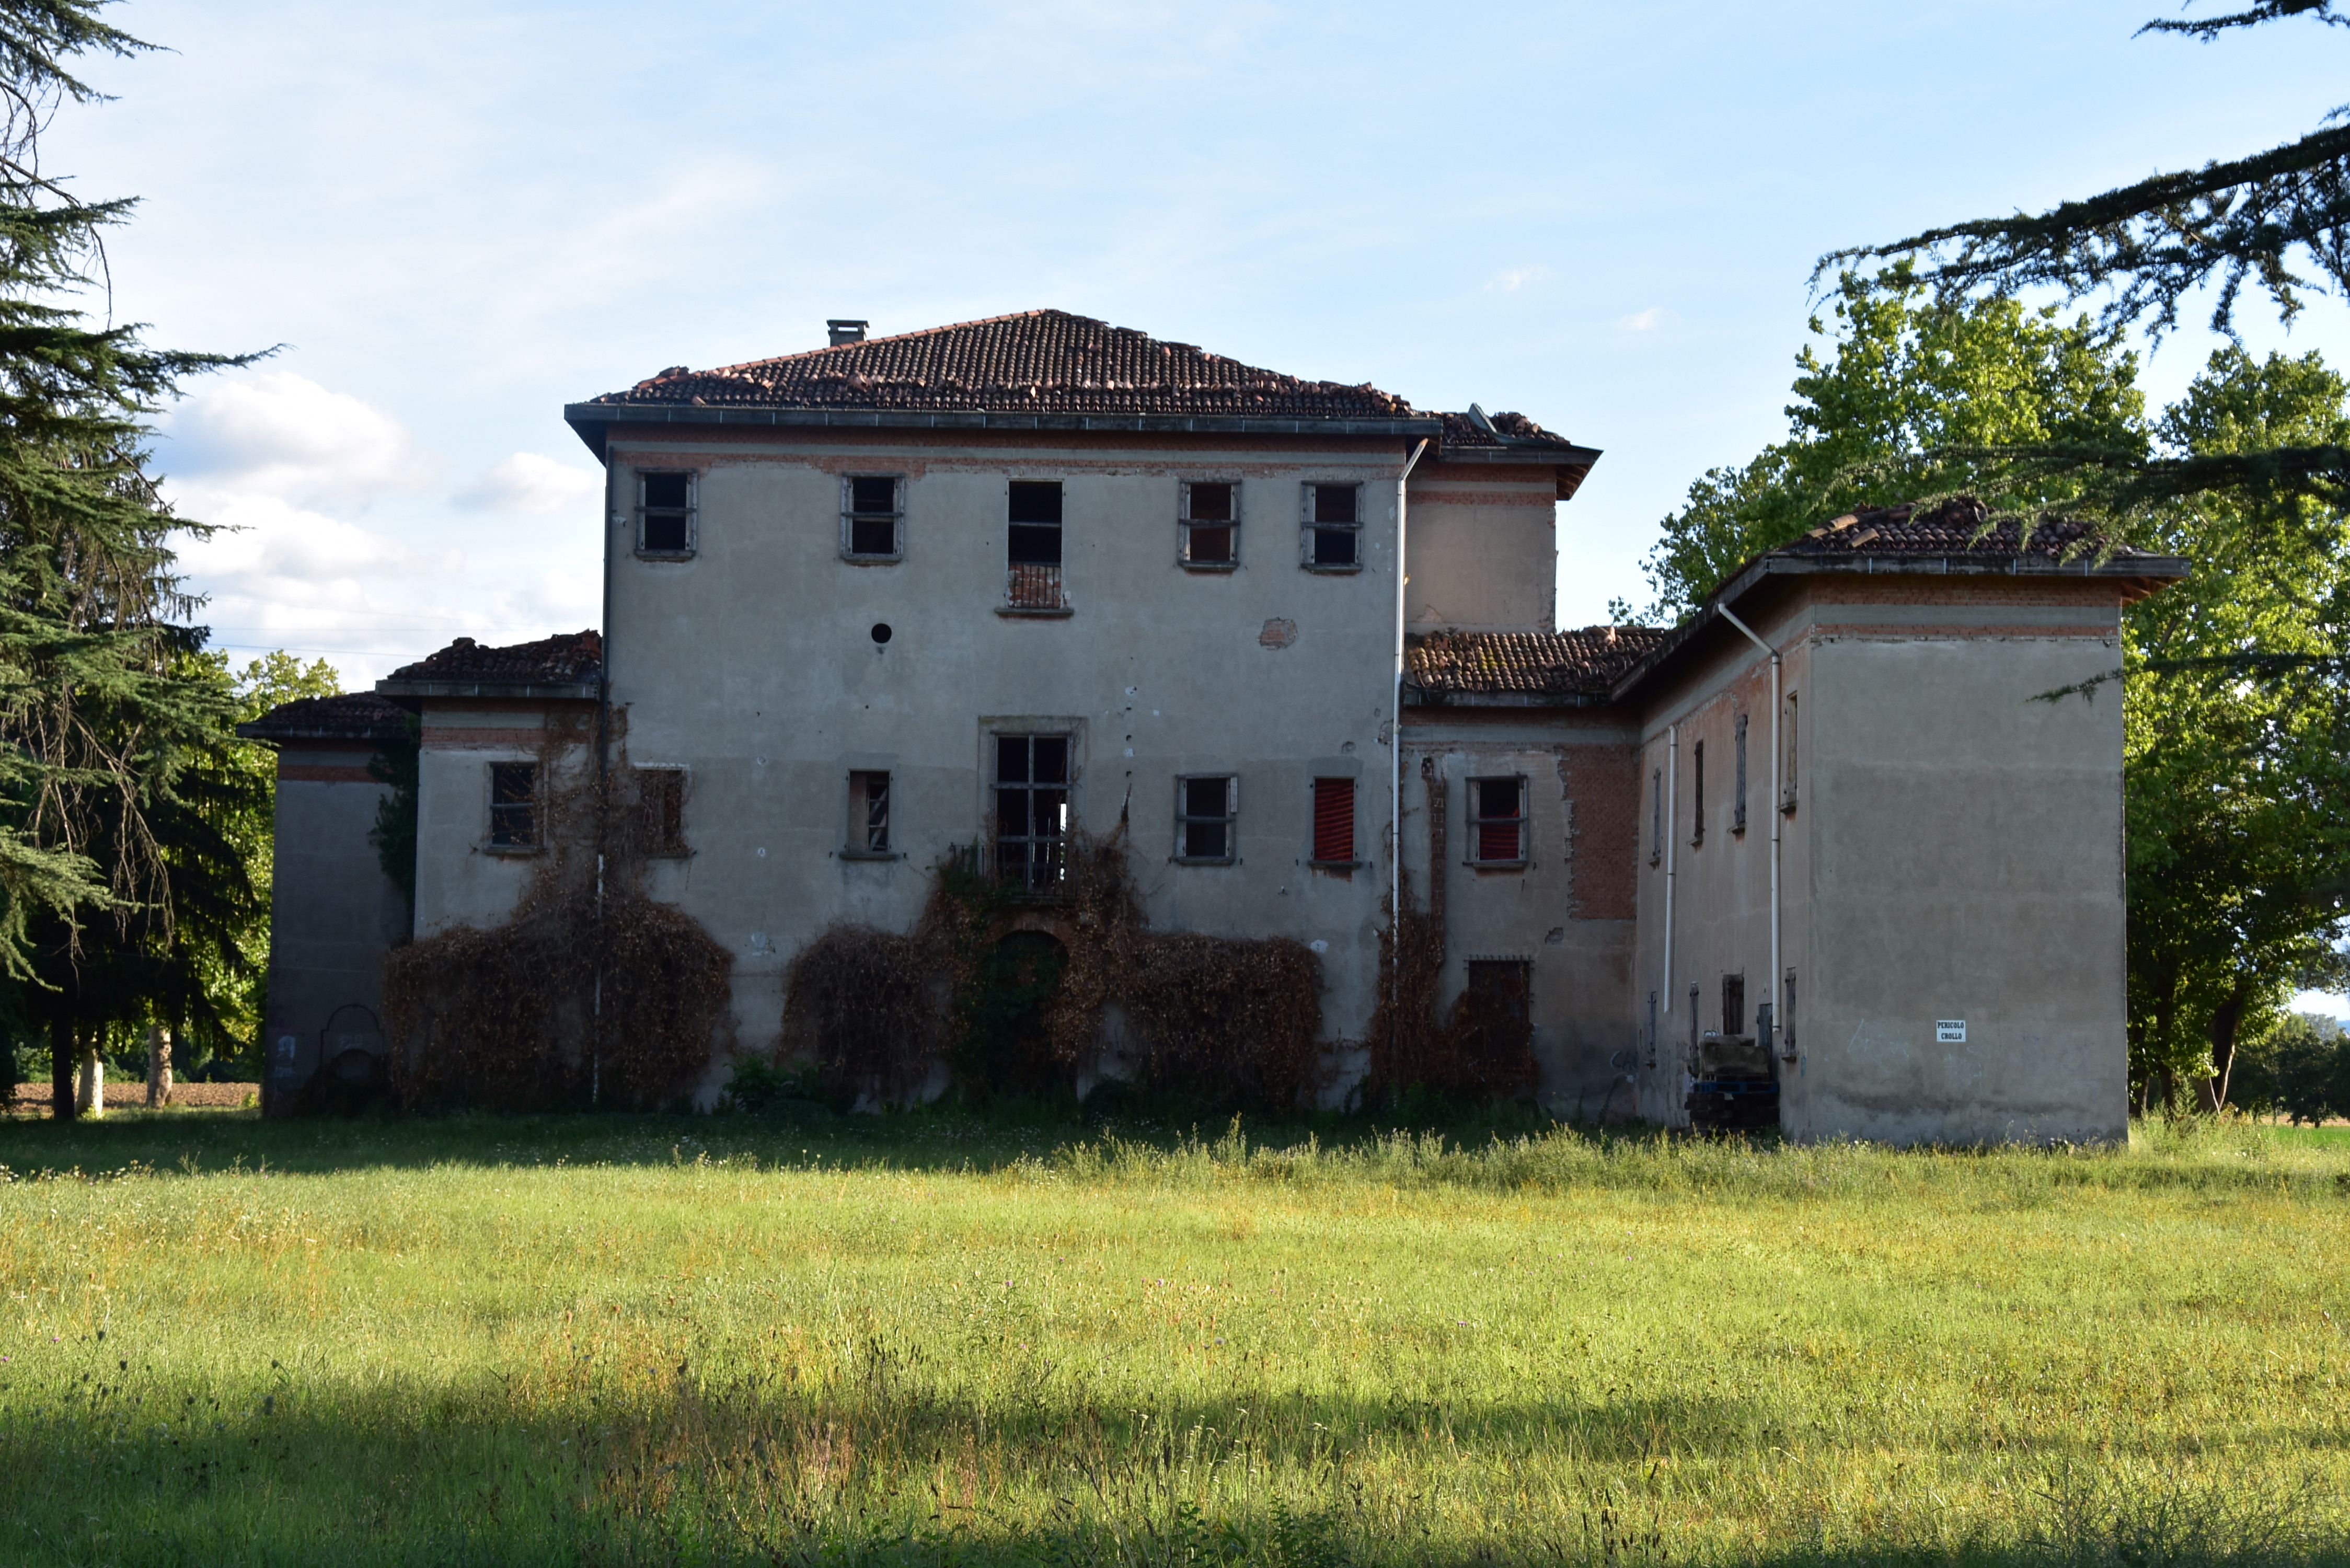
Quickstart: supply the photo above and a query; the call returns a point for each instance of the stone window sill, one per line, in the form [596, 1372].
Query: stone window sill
[1010, 612]
[871, 854]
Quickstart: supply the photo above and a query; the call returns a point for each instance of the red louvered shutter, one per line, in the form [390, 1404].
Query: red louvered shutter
[1334, 819]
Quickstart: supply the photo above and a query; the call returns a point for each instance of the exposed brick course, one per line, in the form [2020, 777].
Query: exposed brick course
[1603, 792]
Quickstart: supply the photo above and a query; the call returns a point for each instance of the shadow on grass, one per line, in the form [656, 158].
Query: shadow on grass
[748, 1474]
[948, 1136]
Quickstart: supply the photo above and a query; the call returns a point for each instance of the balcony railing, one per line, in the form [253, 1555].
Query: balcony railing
[1031, 586]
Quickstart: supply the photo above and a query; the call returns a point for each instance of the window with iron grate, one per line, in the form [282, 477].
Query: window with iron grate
[660, 811]
[513, 805]
[868, 814]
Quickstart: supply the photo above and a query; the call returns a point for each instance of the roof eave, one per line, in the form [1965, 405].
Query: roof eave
[1417, 696]
[408, 693]
[2132, 569]
[267, 735]
[590, 422]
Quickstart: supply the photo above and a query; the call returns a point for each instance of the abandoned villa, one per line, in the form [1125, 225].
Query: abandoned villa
[982, 593]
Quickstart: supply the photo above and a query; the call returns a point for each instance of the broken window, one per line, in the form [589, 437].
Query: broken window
[1497, 821]
[1498, 987]
[1334, 528]
[661, 808]
[1697, 794]
[1656, 815]
[665, 521]
[873, 506]
[1205, 805]
[1032, 810]
[869, 813]
[513, 805]
[1033, 544]
[1787, 781]
[1212, 517]
[1334, 821]
[1738, 800]
[1733, 1004]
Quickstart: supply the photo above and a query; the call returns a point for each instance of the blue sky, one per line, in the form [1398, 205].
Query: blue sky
[458, 217]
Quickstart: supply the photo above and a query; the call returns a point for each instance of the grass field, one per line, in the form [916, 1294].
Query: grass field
[609, 1340]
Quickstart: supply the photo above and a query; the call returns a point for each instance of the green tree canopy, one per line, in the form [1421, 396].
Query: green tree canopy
[1909, 391]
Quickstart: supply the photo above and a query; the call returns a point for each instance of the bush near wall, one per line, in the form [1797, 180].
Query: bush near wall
[1235, 1019]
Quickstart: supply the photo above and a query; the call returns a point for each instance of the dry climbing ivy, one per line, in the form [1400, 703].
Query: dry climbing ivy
[1232, 1017]
[590, 993]
[1476, 1050]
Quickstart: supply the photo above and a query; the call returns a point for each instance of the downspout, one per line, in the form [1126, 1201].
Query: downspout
[1776, 814]
[1672, 817]
[1395, 756]
[603, 787]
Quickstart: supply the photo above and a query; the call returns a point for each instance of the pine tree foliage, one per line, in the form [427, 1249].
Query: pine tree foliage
[116, 859]
[2252, 220]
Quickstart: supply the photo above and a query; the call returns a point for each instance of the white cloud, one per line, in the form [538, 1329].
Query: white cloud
[1646, 320]
[1511, 279]
[527, 481]
[281, 435]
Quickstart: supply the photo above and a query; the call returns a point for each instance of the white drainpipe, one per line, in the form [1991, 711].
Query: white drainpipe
[1672, 831]
[1776, 814]
[1395, 739]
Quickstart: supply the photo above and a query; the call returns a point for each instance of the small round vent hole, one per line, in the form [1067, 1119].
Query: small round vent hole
[880, 631]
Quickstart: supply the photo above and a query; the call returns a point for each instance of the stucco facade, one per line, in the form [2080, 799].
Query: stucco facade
[333, 911]
[974, 590]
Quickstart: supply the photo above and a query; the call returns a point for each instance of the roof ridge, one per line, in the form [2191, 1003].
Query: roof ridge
[901, 336]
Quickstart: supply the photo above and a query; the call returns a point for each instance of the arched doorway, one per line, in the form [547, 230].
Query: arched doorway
[1006, 1047]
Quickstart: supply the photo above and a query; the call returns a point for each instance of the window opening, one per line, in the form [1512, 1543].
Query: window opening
[1738, 801]
[1652, 1029]
[1787, 781]
[1787, 1019]
[1212, 515]
[1033, 544]
[870, 517]
[1334, 821]
[665, 522]
[1332, 526]
[869, 813]
[1697, 794]
[1733, 1004]
[1656, 815]
[1499, 987]
[660, 807]
[1695, 993]
[513, 805]
[1204, 810]
[1497, 820]
[1032, 810]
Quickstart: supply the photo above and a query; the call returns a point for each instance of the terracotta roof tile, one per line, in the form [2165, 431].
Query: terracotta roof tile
[567, 659]
[1477, 430]
[1527, 663]
[354, 716]
[1047, 362]
[1952, 527]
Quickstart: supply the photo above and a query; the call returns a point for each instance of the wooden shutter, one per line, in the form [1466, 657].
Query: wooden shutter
[1334, 819]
